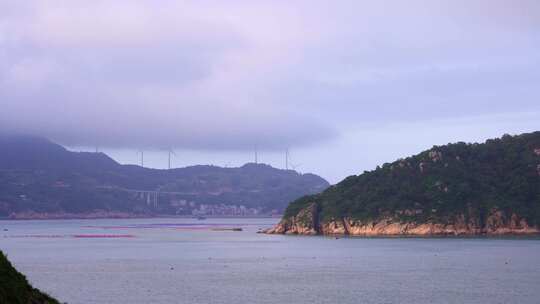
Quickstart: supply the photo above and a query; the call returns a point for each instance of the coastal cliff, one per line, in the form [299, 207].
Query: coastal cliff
[458, 189]
[497, 223]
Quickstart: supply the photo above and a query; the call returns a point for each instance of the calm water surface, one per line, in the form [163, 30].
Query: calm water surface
[185, 261]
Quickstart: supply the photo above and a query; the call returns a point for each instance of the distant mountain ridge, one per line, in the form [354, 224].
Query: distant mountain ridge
[38, 176]
[489, 188]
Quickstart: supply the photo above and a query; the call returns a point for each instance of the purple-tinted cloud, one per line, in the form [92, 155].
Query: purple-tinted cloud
[228, 75]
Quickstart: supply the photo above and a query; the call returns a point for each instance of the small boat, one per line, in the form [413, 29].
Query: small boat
[200, 218]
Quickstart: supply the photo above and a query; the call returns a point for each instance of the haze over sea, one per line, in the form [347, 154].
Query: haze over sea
[188, 261]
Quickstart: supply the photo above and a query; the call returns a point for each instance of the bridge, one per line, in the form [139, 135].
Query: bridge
[150, 196]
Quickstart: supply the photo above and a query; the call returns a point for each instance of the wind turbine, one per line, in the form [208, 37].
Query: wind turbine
[170, 151]
[288, 162]
[287, 159]
[256, 154]
[142, 157]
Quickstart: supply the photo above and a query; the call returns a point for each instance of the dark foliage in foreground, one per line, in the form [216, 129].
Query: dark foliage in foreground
[15, 289]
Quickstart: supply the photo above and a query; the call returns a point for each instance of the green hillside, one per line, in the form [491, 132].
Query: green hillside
[439, 184]
[15, 289]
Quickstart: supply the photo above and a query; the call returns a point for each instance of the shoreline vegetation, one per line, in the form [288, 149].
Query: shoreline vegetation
[491, 188]
[15, 288]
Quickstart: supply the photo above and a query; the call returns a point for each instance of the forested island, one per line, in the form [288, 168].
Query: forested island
[457, 189]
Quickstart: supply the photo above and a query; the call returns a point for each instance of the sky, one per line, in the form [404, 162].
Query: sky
[344, 85]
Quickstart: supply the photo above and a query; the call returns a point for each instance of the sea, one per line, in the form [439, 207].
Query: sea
[180, 260]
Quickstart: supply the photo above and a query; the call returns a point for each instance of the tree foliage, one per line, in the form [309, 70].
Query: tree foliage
[15, 289]
[442, 182]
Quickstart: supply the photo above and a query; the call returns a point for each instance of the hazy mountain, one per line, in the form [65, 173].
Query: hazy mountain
[459, 188]
[39, 176]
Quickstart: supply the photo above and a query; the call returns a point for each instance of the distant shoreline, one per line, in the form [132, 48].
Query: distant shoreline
[90, 216]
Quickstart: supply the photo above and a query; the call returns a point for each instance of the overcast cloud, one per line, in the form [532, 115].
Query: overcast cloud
[227, 75]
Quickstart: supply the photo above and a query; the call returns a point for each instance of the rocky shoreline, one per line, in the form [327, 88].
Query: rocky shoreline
[306, 222]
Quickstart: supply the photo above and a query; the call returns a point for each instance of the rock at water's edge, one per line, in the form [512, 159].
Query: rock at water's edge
[497, 223]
